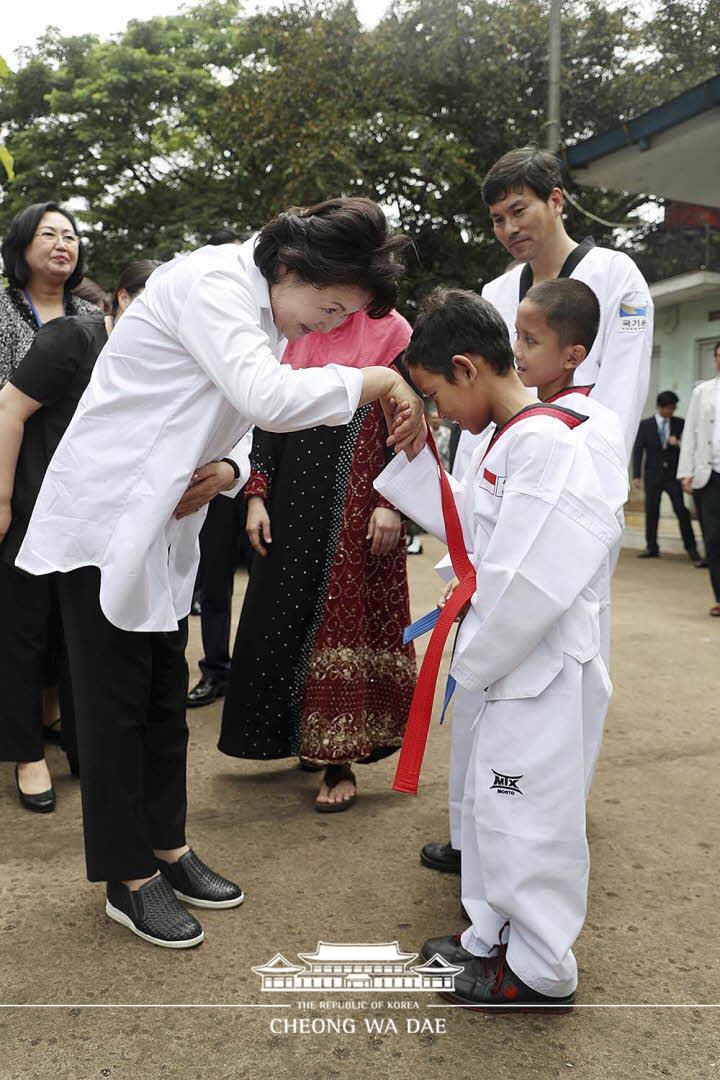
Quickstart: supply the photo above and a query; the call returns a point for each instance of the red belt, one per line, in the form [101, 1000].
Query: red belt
[409, 764]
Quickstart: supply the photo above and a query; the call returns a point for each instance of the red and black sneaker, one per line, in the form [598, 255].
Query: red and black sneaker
[489, 983]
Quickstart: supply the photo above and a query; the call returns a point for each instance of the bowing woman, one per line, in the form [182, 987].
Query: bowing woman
[190, 367]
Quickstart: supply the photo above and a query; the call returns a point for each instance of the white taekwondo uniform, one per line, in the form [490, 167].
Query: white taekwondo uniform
[192, 364]
[605, 442]
[619, 362]
[540, 533]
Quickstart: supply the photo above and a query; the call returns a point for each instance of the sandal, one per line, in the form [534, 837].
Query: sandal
[715, 611]
[333, 775]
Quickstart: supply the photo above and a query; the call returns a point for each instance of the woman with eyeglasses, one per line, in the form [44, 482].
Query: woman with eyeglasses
[43, 261]
[36, 406]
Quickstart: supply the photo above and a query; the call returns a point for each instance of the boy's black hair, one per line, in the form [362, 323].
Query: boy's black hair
[458, 322]
[526, 167]
[570, 308]
[666, 397]
[20, 236]
[337, 242]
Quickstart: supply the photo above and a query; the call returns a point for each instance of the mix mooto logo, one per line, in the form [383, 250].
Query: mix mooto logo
[358, 968]
[505, 785]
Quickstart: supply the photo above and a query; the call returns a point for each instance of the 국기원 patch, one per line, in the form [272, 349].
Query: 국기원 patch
[633, 318]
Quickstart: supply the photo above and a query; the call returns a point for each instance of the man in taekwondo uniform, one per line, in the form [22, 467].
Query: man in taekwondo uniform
[523, 193]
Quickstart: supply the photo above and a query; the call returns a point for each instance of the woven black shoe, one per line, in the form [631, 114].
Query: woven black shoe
[448, 947]
[488, 983]
[154, 913]
[442, 857]
[195, 883]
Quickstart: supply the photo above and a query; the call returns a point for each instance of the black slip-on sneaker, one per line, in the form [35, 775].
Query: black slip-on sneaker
[442, 857]
[196, 883]
[154, 913]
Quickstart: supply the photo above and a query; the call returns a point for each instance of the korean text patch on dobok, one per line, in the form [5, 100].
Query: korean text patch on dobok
[538, 530]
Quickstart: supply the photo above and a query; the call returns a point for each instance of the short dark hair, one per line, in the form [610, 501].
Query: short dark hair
[528, 166]
[19, 237]
[666, 397]
[133, 279]
[570, 308]
[457, 321]
[223, 236]
[717, 346]
[337, 242]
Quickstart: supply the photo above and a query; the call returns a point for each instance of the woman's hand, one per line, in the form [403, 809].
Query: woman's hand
[384, 530]
[207, 482]
[408, 430]
[5, 517]
[257, 524]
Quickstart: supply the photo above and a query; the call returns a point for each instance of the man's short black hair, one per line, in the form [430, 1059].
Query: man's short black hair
[337, 242]
[526, 167]
[666, 397]
[456, 322]
[19, 237]
[570, 308]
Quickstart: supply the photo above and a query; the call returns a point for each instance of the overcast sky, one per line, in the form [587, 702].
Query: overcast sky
[24, 20]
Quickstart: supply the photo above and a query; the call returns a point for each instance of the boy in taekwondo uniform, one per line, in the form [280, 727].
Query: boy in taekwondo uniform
[540, 533]
[524, 196]
[556, 326]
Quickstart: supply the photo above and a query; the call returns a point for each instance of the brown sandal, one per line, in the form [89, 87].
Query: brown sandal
[715, 611]
[333, 775]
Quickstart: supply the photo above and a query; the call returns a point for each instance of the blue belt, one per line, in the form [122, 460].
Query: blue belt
[422, 626]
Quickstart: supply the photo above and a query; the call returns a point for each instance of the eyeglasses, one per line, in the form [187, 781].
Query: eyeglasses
[67, 237]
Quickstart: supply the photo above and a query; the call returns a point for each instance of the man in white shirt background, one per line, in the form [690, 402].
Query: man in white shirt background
[658, 446]
[699, 469]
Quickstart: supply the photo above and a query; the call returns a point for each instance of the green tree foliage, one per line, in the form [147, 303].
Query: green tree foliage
[212, 117]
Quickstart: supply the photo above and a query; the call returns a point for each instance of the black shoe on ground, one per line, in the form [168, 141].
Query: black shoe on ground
[648, 554]
[448, 947]
[43, 803]
[442, 857]
[487, 982]
[205, 692]
[154, 913]
[196, 883]
[699, 562]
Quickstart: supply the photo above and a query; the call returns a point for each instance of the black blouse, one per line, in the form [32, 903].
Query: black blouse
[55, 371]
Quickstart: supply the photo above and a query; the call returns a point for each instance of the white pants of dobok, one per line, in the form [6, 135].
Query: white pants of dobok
[524, 850]
[465, 709]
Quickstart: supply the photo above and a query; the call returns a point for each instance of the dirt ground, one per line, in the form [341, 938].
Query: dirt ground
[651, 936]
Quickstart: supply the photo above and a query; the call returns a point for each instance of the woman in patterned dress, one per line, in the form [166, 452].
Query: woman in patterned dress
[319, 667]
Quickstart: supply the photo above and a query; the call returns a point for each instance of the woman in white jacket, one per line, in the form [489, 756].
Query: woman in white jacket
[190, 368]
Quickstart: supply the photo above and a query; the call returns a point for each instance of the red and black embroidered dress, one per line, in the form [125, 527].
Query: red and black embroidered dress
[319, 666]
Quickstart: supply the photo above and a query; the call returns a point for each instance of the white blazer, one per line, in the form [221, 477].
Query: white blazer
[696, 445]
[192, 364]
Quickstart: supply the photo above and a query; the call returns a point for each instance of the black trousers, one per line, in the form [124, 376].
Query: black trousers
[130, 691]
[32, 657]
[219, 541]
[707, 501]
[653, 495]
